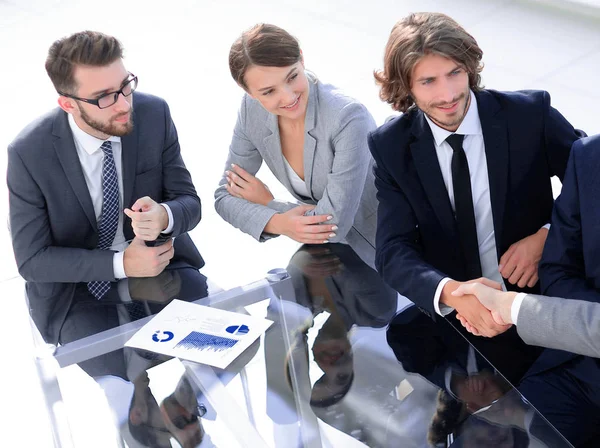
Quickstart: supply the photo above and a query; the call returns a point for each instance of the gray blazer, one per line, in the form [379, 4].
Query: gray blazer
[337, 167]
[563, 324]
[53, 225]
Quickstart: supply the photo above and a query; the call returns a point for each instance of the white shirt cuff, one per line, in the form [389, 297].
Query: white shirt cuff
[546, 226]
[516, 306]
[119, 265]
[169, 228]
[441, 309]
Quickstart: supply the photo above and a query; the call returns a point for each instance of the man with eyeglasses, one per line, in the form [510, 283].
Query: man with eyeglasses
[96, 185]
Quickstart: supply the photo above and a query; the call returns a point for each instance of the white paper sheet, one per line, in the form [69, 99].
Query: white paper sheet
[199, 333]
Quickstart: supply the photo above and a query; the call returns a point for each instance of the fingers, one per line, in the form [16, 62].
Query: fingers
[166, 255]
[234, 190]
[533, 280]
[241, 172]
[464, 288]
[320, 228]
[236, 179]
[317, 219]
[526, 277]
[487, 282]
[506, 257]
[516, 275]
[470, 328]
[143, 204]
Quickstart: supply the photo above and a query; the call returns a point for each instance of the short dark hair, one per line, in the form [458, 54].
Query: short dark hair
[418, 35]
[90, 48]
[263, 45]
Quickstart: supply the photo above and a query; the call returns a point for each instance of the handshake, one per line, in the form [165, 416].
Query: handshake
[481, 305]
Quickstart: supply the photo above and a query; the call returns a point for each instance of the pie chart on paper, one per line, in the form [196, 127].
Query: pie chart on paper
[238, 330]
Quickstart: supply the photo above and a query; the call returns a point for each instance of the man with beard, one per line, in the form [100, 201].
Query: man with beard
[463, 182]
[94, 182]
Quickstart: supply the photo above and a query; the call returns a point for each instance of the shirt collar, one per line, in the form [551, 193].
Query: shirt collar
[88, 142]
[471, 124]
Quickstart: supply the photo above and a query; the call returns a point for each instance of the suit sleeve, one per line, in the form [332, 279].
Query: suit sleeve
[562, 269]
[37, 259]
[178, 189]
[248, 217]
[398, 256]
[346, 181]
[548, 322]
[559, 137]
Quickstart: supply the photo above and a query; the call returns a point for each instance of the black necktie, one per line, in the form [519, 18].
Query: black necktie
[463, 206]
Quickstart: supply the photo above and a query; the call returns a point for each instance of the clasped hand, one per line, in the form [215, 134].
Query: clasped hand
[148, 218]
[519, 264]
[244, 185]
[471, 313]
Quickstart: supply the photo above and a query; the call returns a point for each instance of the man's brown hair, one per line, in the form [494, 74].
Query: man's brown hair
[90, 48]
[418, 35]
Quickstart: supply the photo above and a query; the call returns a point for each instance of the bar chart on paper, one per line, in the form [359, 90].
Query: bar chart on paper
[203, 341]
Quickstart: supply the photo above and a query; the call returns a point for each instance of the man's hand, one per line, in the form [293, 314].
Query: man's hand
[142, 261]
[519, 264]
[244, 185]
[304, 229]
[148, 218]
[471, 311]
[498, 302]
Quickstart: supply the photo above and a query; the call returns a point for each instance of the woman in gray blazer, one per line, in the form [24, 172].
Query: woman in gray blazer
[314, 140]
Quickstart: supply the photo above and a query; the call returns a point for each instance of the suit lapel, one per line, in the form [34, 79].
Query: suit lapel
[495, 136]
[272, 144]
[310, 143]
[430, 174]
[64, 145]
[129, 152]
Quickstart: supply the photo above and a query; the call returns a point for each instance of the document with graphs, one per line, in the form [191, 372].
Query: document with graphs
[199, 333]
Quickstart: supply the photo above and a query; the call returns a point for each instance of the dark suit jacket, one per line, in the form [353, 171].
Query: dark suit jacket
[570, 265]
[53, 225]
[526, 143]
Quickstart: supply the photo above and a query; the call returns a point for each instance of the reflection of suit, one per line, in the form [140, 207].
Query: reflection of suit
[360, 296]
[53, 225]
[337, 167]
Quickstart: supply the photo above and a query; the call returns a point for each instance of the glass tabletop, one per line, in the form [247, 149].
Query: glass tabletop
[347, 362]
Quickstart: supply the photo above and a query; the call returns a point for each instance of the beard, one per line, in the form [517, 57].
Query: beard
[449, 123]
[109, 128]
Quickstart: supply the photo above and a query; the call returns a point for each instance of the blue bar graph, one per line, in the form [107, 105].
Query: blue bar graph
[205, 342]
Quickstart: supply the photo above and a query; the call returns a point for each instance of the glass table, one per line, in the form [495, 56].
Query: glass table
[347, 362]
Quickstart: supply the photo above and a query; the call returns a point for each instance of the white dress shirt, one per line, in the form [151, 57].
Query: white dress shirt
[91, 158]
[474, 148]
[298, 185]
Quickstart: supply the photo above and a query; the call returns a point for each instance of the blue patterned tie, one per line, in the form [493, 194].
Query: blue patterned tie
[110, 212]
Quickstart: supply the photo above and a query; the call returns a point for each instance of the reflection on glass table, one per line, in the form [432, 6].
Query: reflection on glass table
[328, 372]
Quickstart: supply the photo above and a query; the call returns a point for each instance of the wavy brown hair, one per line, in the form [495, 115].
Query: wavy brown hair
[263, 45]
[418, 35]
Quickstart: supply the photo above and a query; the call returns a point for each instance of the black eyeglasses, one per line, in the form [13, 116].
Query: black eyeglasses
[108, 99]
